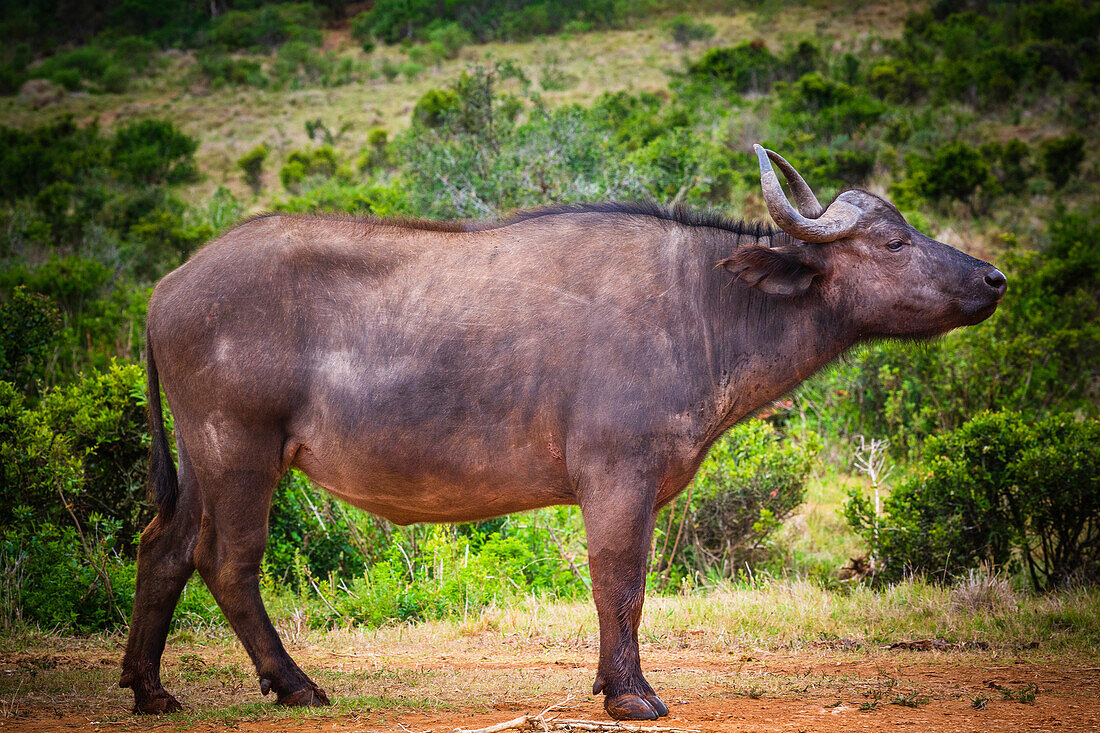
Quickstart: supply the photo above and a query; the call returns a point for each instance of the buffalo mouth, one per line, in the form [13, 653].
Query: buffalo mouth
[976, 313]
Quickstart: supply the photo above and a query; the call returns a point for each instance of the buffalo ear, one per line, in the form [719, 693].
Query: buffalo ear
[778, 270]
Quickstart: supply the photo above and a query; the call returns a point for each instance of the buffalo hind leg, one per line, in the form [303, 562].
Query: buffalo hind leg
[164, 565]
[231, 543]
[619, 524]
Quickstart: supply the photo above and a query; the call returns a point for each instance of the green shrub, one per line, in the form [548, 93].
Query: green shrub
[29, 325]
[220, 69]
[133, 52]
[749, 67]
[54, 583]
[434, 107]
[1009, 163]
[750, 482]
[684, 29]
[449, 38]
[1001, 490]
[11, 79]
[71, 68]
[954, 171]
[1061, 158]
[252, 164]
[116, 79]
[896, 81]
[389, 69]
[313, 536]
[269, 25]
[457, 570]
[298, 64]
[374, 155]
[153, 151]
[301, 165]
[334, 197]
[410, 69]
[95, 454]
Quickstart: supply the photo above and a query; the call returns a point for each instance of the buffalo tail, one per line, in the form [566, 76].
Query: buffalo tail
[163, 484]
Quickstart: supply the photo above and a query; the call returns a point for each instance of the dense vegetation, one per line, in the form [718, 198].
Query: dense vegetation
[992, 431]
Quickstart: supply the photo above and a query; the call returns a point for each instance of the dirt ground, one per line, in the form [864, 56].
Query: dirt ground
[482, 682]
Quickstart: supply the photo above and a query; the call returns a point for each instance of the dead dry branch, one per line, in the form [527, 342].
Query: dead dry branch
[542, 723]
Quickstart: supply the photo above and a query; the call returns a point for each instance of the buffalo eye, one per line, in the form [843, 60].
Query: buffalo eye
[895, 245]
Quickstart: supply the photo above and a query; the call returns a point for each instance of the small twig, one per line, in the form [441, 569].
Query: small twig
[568, 558]
[519, 723]
[321, 595]
[403, 727]
[412, 575]
[101, 571]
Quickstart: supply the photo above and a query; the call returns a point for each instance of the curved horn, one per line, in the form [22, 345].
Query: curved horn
[804, 197]
[837, 221]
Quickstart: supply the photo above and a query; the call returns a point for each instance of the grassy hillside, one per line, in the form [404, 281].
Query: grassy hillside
[231, 120]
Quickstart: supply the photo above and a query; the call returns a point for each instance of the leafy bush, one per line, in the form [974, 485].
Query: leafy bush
[374, 155]
[991, 53]
[1001, 490]
[447, 39]
[252, 164]
[28, 333]
[153, 151]
[953, 172]
[332, 197]
[1061, 158]
[434, 106]
[456, 570]
[86, 443]
[750, 482]
[311, 535]
[270, 25]
[302, 165]
[222, 69]
[298, 65]
[684, 29]
[393, 21]
[749, 67]
[897, 81]
[1009, 163]
[52, 582]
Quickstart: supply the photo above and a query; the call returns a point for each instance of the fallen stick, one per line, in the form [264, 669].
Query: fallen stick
[565, 724]
[519, 723]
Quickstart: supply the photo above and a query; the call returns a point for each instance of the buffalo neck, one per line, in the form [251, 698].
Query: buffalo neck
[759, 346]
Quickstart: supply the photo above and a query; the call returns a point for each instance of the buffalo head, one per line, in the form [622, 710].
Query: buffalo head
[860, 254]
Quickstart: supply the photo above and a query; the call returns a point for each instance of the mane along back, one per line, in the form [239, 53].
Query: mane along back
[677, 214]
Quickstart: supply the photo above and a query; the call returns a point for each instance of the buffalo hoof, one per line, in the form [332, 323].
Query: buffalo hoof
[629, 706]
[159, 703]
[657, 705]
[311, 696]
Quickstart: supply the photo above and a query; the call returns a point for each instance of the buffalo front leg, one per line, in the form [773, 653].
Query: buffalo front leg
[618, 522]
[231, 544]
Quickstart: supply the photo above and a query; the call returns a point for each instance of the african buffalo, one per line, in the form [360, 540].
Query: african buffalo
[433, 372]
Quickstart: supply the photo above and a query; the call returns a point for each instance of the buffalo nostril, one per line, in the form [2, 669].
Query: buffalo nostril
[996, 280]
